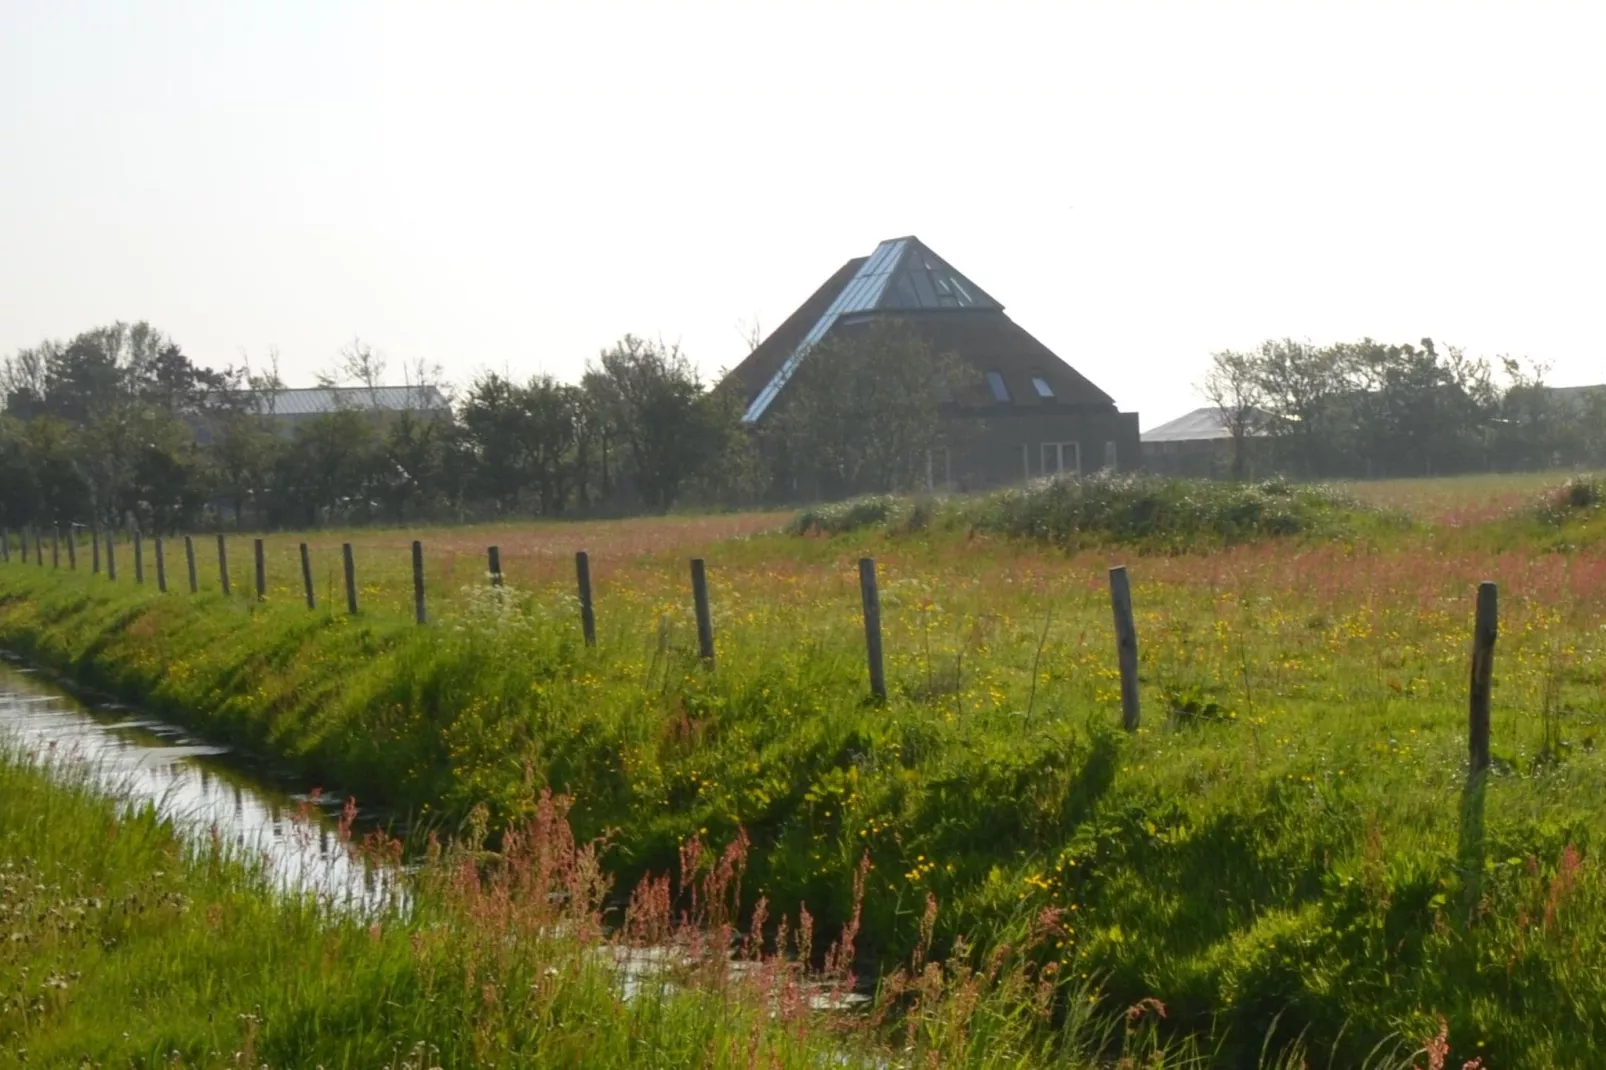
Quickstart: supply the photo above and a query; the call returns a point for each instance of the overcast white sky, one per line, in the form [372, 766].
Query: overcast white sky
[513, 186]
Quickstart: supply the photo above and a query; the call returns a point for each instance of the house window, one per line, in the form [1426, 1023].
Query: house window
[1041, 386]
[1000, 391]
[1109, 456]
[1061, 458]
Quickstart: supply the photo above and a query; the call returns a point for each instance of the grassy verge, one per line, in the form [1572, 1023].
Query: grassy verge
[1287, 840]
[123, 946]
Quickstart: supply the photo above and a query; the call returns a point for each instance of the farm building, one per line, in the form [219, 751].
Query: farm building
[1199, 445]
[288, 408]
[1037, 415]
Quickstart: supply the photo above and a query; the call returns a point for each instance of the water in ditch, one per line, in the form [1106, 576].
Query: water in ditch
[205, 790]
[208, 790]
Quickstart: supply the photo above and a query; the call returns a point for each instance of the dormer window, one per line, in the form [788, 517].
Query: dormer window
[1000, 391]
[1042, 387]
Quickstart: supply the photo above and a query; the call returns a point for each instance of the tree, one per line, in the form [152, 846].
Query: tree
[329, 469]
[864, 410]
[358, 363]
[492, 421]
[413, 464]
[1233, 386]
[652, 401]
[1302, 386]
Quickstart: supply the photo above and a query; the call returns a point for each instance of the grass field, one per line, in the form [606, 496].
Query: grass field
[126, 947]
[1286, 845]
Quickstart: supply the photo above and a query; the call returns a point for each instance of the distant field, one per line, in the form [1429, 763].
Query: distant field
[1286, 840]
[1457, 500]
[541, 553]
[532, 553]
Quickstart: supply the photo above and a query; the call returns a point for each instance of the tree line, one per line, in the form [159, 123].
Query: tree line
[120, 423]
[1368, 409]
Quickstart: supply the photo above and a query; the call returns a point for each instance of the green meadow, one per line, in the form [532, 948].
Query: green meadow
[1286, 858]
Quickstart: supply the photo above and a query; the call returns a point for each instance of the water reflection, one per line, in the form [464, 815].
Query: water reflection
[204, 790]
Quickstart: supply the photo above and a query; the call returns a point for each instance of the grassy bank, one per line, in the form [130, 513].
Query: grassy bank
[1287, 840]
[125, 946]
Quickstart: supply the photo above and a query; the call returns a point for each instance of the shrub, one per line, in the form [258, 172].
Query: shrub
[837, 518]
[1576, 496]
[1165, 512]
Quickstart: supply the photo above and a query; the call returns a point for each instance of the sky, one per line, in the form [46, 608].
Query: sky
[511, 187]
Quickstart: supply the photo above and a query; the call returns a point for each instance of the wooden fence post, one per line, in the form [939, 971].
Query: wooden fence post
[38, 548]
[72, 546]
[111, 556]
[351, 578]
[223, 562]
[161, 567]
[189, 562]
[871, 599]
[94, 544]
[139, 557]
[261, 570]
[1126, 645]
[5, 544]
[493, 556]
[1485, 630]
[418, 582]
[306, 577]
[582, 577]
[705, 620]
[55, 546]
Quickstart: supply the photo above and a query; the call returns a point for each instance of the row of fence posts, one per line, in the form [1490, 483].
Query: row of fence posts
[1485, 628]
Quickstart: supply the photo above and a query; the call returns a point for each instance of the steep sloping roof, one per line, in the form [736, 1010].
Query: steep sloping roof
[312, 401]
[905, 280]
[761, 364]
[990, 341]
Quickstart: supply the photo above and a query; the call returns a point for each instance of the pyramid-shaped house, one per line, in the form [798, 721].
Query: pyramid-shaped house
[1037, 416]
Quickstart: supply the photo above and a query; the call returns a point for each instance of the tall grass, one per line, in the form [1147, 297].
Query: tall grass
[126, 946]
[1285, 842]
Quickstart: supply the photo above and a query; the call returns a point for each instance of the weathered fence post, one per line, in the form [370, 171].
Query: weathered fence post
[351, 578]
[306, 577]
[161, 567]
[261, 570]
[189, 562]
[1126, 645]
[582, 578]
[38, 548]
[871, 598]
[72, 546]
[111, 556]
[418, 581]
[223, 562]
[493, 556]
[55, 546]
[94, 543]
[139, 557]
[705, 621]
[1484, 631]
